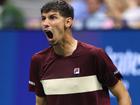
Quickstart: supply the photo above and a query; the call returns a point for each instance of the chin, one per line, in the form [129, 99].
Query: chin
[53, 43]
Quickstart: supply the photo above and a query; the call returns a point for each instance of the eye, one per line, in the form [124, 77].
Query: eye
[52, 17]
[43, 18]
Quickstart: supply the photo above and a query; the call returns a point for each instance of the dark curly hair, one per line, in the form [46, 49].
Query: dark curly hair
[61, 6]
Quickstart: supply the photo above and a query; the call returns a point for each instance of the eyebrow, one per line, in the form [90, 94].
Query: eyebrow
[51, 13]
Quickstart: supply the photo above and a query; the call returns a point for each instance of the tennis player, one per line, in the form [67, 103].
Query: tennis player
[71, 72]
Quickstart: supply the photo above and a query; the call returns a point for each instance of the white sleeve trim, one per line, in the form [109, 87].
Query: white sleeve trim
[31, 83]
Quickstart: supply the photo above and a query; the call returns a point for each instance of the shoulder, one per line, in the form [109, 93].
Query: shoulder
[92, 51]
[41, 54]
[88, 48]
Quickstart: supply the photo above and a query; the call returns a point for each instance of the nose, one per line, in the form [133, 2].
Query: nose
[45, 24]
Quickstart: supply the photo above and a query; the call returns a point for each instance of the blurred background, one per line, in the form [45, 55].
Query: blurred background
[111, 24]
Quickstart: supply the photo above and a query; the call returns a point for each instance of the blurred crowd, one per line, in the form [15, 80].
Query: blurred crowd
[89, 14]
[106, 14]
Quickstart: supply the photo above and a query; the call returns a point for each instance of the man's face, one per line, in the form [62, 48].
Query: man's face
[53, 24]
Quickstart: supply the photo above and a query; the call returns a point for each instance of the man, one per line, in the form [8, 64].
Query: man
[71, 72]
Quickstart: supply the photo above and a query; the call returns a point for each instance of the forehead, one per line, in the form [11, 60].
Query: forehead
[50, 13]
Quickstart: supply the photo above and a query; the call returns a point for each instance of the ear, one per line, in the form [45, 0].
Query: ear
[68, 22]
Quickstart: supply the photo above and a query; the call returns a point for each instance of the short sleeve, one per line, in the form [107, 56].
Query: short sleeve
[34, 80]
[107, 73]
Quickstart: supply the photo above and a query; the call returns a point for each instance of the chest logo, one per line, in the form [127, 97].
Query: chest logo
[76, 70]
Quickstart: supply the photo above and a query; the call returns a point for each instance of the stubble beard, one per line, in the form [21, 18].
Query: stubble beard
[53, 43]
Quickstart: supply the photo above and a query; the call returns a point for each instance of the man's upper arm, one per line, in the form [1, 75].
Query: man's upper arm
[34, 82]
[40, 100]
[121, 93]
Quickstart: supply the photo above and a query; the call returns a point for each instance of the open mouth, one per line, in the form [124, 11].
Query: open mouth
[49, 34]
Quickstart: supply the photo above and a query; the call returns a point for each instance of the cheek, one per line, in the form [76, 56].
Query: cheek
[59, 28]
[59, 33]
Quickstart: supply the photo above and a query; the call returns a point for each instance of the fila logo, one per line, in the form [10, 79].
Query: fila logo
[77, 70]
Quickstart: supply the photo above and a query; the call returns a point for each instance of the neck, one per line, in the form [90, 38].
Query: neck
[66, 47]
